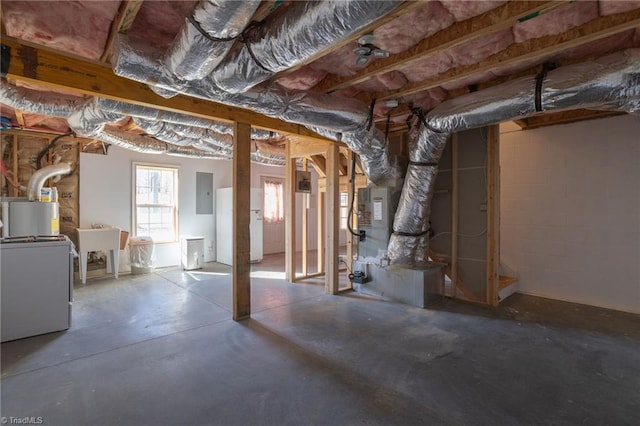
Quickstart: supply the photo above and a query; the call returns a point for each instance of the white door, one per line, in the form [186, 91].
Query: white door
[273, 214]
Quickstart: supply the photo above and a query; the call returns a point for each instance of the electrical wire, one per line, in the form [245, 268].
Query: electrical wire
[51, 144]
[353, 196]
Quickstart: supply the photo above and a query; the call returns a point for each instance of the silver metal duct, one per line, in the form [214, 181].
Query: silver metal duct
[345, 120]
[36, 182]
[38, 102]
[611, 82]
[298, 33]
[206, 37]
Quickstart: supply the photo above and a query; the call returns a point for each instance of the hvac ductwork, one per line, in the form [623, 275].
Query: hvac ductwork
[611, 82]
[298, 33]
[320, 112]
[206, 37]
[36, 182]
[89, 119]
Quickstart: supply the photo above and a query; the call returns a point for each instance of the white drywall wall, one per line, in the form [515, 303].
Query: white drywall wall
[570, 210]
[105, 196]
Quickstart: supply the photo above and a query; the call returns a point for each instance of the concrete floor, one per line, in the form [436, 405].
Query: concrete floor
[162, 349]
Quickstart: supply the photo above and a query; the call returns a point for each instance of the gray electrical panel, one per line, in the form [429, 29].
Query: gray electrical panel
[376, 210]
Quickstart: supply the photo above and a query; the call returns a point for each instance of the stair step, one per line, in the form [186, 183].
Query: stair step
[506, 281]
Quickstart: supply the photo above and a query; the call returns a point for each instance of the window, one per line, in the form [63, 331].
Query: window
[344, 209]
[156, 202]
[273, 201]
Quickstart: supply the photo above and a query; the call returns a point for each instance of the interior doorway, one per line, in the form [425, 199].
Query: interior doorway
[273, 223]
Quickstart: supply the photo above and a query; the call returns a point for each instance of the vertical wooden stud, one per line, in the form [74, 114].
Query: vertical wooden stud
[305, 225]
[332, 226]
[493, 213]
[241, 219]
[14, 190]
[454, 214]
[290, 216]
[321, 233]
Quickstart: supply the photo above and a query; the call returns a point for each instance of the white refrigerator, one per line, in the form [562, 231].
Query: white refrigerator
[224, 225]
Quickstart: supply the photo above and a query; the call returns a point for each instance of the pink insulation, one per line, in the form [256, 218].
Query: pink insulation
[424, 22]
[600, 47]
[342, 62]
[7, 111]
[557, 21]
[427, 68]
[477, 50]
[427, 99]
[465, 82]
[302, 79]
[78, 27]
[611, 7]
[390, 81]
[41, 88]
[465, 9]
[158, 21]
[43, 122]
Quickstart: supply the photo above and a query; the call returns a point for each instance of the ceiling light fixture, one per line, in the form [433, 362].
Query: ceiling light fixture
[368, 49]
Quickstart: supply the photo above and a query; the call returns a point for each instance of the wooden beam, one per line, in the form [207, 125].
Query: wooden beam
[265, 9]
[534, 49]
[343, 182]
[332, 209]
[290, 216]
[241, 238]
[14, 166]
[19, 117]
[490, 22]
[121, 24]
[406, 7]
[320, 164]
[305, 225]
[563, 117]
[493, 213]
[304, 148]
[342, 166]
[321, 231]
[455, 215]
[46, 67]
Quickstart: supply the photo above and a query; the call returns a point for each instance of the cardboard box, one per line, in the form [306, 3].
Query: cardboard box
[124, 236]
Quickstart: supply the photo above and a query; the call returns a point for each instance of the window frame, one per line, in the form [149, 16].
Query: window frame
[175, 169]
[275, 180]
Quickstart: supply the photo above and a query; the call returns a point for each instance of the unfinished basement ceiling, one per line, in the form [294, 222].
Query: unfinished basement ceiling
[437, 50]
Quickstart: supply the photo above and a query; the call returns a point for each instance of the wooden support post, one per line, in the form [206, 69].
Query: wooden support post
[305, 225]
[14, 147]
[350, 196]
[493, 213]
[454, 214]
[241, 239]
[332, 227]
[290, 216]
[321, 233]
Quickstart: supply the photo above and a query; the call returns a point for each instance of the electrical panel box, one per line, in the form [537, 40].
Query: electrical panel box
[376, 210]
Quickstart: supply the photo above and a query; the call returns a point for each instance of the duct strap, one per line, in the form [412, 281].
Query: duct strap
[386, 127]
[206, 35]
[421, 164]
[426, 124]
[248, 45]
[370, 118]
[412, 234]
[546, 67]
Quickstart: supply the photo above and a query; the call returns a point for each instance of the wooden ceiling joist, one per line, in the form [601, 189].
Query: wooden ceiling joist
[19, 117]
[533, 49]
[121, 24]
[457, 34]
[53, 69]
[563, 117]
[320, 164]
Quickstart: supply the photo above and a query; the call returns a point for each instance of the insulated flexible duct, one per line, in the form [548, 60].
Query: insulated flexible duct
[36, 182]
[300, 32]
[89, 119]
[611, 82]
[206, 37]
[320, 112]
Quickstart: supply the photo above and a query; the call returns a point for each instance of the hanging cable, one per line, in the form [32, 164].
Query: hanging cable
[352, 179]
[51, 145]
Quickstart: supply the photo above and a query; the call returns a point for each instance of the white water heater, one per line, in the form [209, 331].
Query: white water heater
[22, 218]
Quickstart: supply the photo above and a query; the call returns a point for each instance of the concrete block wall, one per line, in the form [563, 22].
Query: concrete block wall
[570, 210]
